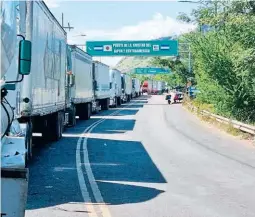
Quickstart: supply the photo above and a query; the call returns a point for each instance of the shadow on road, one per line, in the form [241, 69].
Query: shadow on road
[118, 160]
[140, 101]
[111, 126]
[133, 106]
[143, 97]
[121, 112]
[117, 194]
[54, 181]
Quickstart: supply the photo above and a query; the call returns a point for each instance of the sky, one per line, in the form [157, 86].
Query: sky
[120, 20]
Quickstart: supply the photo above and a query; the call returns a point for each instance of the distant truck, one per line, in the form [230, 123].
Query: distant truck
[101, 84]
[160, 87]
[115, 87]
[147, 87]
[126, 84]
[80, 99]
[154, 87]
[136, 86]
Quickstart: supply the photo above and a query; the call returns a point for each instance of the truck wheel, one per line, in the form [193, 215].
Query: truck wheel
[89, 111]
[115, 102]
[84, 111]
[28, 141]
[119, 101]
[72, 116]
[54, 129]
[105, 104]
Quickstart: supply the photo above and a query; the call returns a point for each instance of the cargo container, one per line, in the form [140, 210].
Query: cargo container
[137, 87]
[42, 94]
[163, 86]
[126, 83]
[154, 87]
[133, 88]
[115, 87]
[39, 100]
[101, 84]
[159, 87]
[79, 84]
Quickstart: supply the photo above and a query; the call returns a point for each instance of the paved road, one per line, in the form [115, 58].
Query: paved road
[147, 159]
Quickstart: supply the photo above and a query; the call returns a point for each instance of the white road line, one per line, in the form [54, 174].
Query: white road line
[93, 184]
[83, 187]
[82, 183]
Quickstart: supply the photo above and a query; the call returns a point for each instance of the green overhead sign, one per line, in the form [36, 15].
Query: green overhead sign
[151, 71]
[132, 48]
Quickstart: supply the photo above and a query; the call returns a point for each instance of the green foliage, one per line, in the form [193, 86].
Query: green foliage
[179, 71]
[224, 60]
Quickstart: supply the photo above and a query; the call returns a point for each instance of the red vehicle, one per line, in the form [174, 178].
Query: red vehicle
[147, 87]
[178, 97]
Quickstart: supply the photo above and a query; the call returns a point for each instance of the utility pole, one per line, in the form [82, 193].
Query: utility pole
[189, 60]
[68, 24]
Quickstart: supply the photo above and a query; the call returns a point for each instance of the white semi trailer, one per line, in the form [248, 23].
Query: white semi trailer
[159, 87]
[115, 87]
[15, 67]
[101, 84]
[136, 87]
[79, 84]
[126, 83]
[39, 100]
[42, 94]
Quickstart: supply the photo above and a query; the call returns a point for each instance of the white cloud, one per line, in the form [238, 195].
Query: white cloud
[52, 3]
[158, 26]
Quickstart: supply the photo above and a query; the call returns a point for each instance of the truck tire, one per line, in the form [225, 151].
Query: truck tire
[89, 110]
[115, 102]
[53, 127]
[57, 125]
[28, 141]
[118, 101]
[72, 116]
[85, 111]
[107, 104]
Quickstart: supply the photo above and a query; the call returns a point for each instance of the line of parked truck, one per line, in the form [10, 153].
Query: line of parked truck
[64, 81]
[45, 84]
[153, 87]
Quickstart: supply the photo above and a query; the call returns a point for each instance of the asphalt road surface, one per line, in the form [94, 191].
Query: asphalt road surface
[145, 159]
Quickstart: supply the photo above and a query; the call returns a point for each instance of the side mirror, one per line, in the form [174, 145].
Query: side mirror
[25, 54]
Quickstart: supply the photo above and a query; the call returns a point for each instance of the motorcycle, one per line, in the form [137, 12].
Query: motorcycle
[168, 98]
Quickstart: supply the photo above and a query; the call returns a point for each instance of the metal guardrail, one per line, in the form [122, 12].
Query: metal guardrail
[236, 124]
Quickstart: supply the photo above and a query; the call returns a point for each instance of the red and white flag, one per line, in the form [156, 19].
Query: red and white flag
[107, 47]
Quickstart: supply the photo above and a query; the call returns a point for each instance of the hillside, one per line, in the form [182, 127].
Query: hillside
[126, 64]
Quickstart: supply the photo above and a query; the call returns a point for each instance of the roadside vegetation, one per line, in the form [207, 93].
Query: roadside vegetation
[223, 58]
